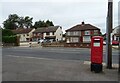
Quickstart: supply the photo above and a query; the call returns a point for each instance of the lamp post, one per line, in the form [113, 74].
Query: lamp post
[108, 34]
[119, 32]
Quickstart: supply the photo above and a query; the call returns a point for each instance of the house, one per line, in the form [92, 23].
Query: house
[80, 35]
[24, 34]
[116, 34]
[51, 32]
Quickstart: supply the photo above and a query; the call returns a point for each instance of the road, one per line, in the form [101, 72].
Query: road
[82, 54]
[52, 64]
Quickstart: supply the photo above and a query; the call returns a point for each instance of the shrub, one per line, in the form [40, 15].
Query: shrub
[9, 39]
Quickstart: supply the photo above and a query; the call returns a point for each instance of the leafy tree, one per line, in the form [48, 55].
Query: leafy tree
[49, 23]
[11, 22]
[39, 24]
[26, 22]
[14, 21]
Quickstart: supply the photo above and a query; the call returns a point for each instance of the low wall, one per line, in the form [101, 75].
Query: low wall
[8, 44]
[78, 45]
[54, 44]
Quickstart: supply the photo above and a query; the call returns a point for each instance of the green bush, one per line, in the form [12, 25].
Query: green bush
[9, 39]
[7, 32]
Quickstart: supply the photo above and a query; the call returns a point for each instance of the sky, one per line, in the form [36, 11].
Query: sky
[65, 13]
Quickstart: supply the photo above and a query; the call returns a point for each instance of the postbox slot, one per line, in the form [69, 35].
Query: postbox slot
[96, 43]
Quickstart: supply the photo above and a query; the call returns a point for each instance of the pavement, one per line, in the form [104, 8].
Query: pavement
[23, 68]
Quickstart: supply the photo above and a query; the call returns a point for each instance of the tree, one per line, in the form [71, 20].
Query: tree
[14, 21]
[39, 24]
[11, 22]
[49, 23]
[27, 22]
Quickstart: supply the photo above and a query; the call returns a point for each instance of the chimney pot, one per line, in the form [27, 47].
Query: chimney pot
[83, 23]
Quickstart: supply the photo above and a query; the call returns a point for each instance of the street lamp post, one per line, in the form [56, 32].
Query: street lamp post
[108, 34]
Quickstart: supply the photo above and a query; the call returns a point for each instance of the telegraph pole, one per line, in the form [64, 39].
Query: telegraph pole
[119, 33]
[108, 34]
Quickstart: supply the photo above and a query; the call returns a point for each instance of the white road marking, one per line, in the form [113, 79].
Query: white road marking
[26, 57]
[39, 58]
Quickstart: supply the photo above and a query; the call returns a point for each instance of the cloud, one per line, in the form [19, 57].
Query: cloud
[66, 14]
[53, 0]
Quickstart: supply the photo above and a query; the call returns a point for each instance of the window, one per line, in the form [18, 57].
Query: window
[68, 33]
[39, 34]
[27, 34]
[74, 39]
[87, 32]
[76, 33]
[34, 34]
[68, 41]
[117, 38]
[86, 39]
[52, 33]
[95, 31]
[47, 33]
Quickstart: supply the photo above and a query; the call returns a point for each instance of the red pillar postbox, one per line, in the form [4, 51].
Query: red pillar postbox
[96, 53]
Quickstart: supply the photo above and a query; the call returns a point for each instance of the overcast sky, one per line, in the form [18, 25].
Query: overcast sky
[66, 13]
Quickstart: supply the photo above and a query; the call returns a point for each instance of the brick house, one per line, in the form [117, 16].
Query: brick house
[52, 32]
[24, 34]
[80, 35]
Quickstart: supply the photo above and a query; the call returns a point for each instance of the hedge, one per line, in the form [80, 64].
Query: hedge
[9, 39]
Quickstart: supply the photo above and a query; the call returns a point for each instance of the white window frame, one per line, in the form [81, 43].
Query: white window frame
[76, 33]
[68, 33]
[86, 40]
[95, 31]
[117, 38]
[87, 32]
[74, 39]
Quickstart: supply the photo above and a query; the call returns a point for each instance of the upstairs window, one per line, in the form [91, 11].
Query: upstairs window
[53, 33]
[68, 33]
[27, 34]
[87, 32]
[47, 33]
[76, 33]
[95, 31]
[117, 38]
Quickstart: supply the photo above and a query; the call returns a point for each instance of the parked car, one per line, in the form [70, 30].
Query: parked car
[40, 41]
[115, 42]
[46, 41]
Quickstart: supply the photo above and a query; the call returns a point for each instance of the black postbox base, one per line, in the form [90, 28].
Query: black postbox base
[96, 67]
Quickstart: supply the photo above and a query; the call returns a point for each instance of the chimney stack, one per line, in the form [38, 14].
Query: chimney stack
[83, 23]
